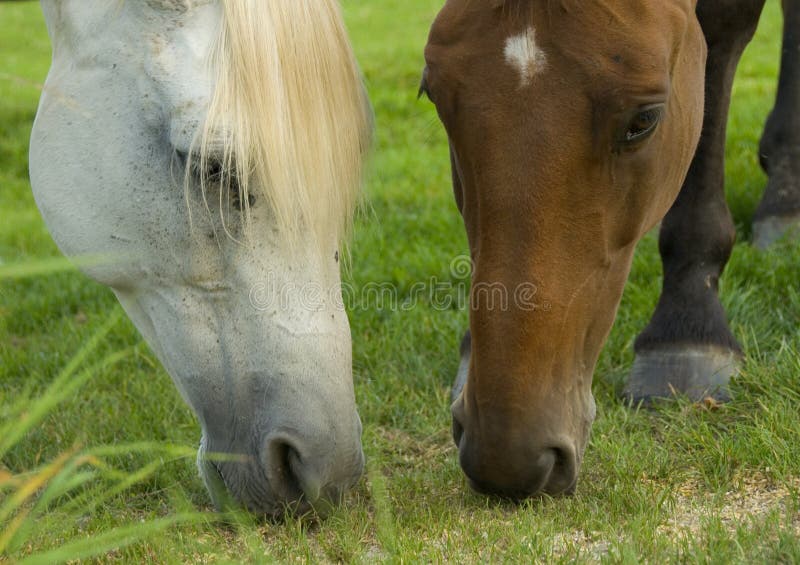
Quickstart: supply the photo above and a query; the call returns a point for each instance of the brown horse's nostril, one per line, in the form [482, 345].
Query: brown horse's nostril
[457, 412]
[523, 473]
[458, 431]
[564, 476]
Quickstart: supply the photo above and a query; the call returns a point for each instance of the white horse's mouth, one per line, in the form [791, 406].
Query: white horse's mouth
[243, 487]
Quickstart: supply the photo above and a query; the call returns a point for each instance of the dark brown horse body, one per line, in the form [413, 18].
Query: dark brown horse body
[572, 126]
[688, 346]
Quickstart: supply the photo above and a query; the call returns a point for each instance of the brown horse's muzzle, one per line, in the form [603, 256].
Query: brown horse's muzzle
[500, 456]
[532, 469]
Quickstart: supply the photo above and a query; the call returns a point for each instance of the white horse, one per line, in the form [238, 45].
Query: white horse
[213, 151]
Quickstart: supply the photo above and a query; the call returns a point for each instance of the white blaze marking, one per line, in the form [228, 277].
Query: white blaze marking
[524, 55]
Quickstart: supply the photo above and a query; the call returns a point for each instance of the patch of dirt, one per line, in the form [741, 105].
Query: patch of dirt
[592, 544]
[753, 498]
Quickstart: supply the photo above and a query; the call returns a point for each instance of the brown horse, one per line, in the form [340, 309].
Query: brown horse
[572, 126]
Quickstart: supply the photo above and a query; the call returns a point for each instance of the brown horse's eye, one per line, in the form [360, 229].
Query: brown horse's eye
[643, 124]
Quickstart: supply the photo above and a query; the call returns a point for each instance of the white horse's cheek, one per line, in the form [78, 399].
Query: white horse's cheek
[97, 180]
[204, 338]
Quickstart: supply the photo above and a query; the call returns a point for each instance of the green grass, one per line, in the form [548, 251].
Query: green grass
[682, 483]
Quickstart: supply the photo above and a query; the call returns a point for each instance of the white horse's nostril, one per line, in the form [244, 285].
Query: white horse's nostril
[291, 477]
[308, 480]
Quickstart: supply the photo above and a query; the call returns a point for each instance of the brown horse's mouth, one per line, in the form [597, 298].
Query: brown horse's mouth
[552, 475]
[517, 466]
[519, 496]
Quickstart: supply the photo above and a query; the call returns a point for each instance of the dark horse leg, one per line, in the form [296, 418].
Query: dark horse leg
[779, 211]
[687, 347]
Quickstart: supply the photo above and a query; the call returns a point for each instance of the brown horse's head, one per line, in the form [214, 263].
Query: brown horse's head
[572, 124]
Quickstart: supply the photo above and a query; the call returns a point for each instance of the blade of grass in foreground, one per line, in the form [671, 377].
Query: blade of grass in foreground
[62, 387]
[167, 449]
[61, 477]
[51, 266]
[92, 498]
[27, 519]
[17, 500]
[113, 539]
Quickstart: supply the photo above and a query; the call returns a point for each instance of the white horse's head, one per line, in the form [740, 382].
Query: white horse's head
[213, 151]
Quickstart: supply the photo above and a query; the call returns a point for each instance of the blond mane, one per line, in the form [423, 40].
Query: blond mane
[289, 117]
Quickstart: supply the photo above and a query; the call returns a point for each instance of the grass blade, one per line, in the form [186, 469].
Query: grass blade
[112, 540]
[50, 266]
[88, 501]
[28, 489]
[61, 388]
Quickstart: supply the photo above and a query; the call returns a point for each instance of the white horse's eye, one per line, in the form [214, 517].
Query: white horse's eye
[213, 173]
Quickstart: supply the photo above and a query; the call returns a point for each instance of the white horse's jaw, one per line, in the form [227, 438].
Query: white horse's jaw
[269, 381]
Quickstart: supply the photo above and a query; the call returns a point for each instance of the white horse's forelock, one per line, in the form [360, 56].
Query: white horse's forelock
[289, 116]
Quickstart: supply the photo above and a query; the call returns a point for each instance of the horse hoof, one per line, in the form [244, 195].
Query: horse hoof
[771, 229]
[694, 372]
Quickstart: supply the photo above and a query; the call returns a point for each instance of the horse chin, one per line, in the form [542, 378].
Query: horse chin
[215, 484]
[230, 494]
